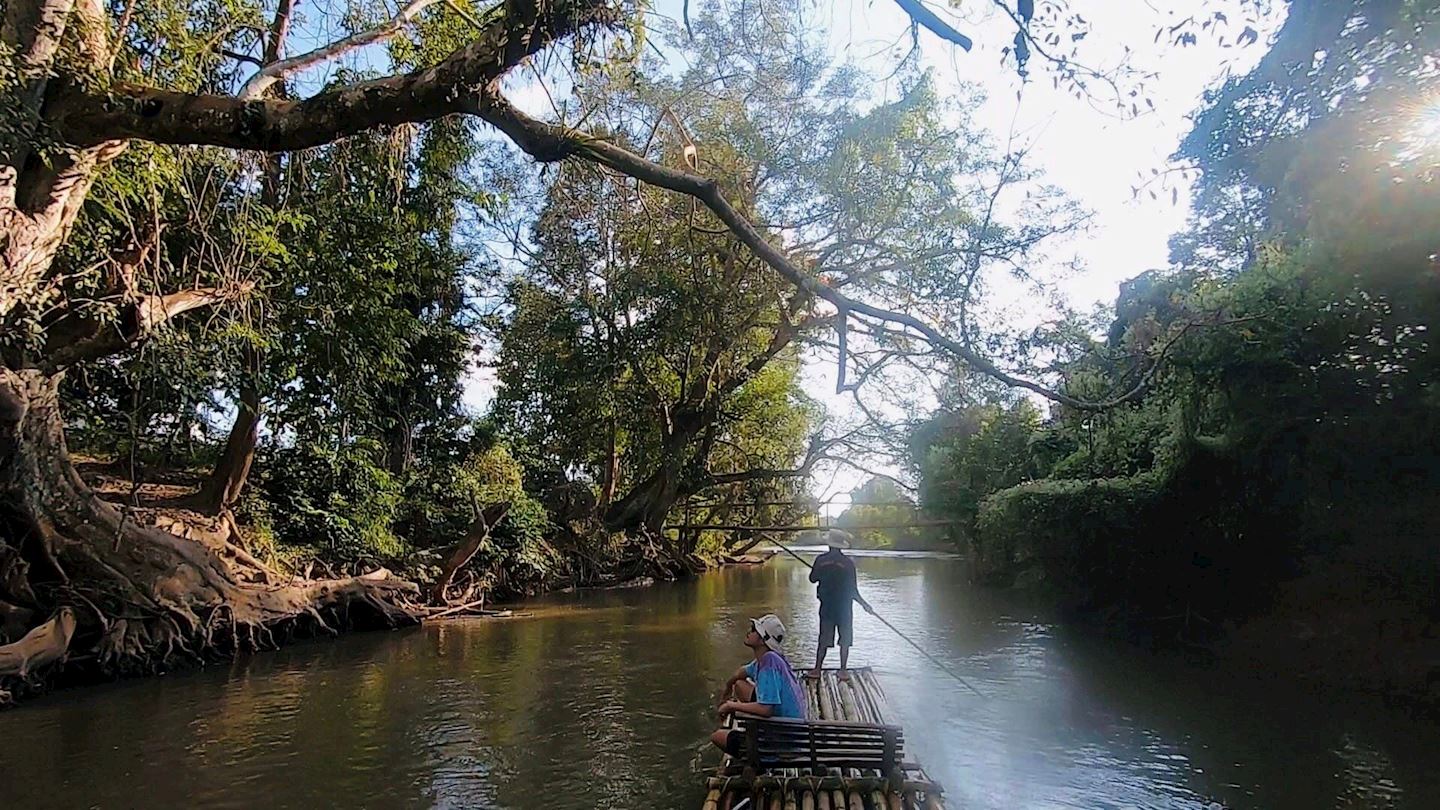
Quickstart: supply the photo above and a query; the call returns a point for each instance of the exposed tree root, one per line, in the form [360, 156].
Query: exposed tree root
[141, 589]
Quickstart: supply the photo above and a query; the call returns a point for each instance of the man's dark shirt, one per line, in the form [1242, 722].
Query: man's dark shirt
[834, 575]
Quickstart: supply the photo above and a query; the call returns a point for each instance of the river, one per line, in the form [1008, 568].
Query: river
[601, 699]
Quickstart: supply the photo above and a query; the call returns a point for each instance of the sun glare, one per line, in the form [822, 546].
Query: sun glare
[1419, 135]
[1427, 123]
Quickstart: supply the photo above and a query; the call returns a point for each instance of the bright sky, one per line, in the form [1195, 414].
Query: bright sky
[1094, 156]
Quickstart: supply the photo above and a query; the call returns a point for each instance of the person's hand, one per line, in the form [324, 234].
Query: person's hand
[726, 708]
[868, 609]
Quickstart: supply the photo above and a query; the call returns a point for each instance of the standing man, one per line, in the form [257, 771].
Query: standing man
[834, 575]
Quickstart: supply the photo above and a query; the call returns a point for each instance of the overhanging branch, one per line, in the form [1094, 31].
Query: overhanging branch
[547, 142]
[452, 86]
[139, 320]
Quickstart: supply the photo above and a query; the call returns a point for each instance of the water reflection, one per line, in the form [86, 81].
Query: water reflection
[603, 699]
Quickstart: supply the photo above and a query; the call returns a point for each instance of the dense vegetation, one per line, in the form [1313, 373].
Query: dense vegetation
[245, 288]
[1280, 473]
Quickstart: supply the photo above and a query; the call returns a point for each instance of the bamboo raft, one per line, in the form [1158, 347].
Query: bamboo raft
[860, 701]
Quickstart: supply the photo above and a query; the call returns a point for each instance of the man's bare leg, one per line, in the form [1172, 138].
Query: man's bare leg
[844, 661]
[820, 651]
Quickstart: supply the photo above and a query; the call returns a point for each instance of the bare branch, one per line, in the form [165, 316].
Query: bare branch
[927, 19]
[138, 321]
[276, 71]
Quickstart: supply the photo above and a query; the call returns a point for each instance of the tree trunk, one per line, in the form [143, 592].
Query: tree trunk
[649, 503]
[611, 478]
[38, 208]
[474, 538]
[223, 488]
[142, 596]
[400, 450]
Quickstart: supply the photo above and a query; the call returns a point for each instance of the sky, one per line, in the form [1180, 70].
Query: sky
[1091, 153]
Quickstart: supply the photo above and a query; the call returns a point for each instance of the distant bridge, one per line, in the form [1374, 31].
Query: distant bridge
[737, 527]
[822, 521]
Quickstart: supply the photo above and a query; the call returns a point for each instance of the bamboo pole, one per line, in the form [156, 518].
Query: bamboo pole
[794, 528]
[822, 694]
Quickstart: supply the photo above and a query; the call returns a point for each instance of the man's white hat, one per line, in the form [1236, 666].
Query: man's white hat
[836, 538]
[770, 629]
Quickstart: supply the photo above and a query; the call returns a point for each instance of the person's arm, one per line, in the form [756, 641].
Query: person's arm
[740, 675]
[855, 589]
[759, 709]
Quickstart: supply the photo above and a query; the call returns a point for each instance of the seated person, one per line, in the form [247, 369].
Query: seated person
[765, 687]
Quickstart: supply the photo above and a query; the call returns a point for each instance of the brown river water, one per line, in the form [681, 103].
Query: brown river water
[603, 699]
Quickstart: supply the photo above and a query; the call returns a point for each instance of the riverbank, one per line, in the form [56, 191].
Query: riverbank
[1338, 621]
[59, 654]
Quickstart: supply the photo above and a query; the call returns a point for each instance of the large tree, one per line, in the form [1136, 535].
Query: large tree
[635, 335]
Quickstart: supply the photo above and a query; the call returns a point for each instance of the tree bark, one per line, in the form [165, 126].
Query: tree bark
[222, 490]
[37, 212]
[611, 479]
[400, 450]
[14, 621]
[460, 83]
[154, 596]
[649, 503]
[40, 647]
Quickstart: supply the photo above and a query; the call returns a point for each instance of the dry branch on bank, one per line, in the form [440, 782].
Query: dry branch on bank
[40, 647]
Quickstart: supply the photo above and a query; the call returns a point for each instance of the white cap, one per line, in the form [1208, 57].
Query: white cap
[836, 538]
[770, 629]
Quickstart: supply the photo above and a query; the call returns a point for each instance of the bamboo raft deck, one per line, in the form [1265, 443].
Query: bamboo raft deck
[858, 700]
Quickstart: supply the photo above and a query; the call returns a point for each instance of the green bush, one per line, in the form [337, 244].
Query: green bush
[1061, 530]
[442, 500]
[341, 503]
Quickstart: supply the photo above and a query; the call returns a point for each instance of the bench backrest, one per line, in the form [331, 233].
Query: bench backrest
[789, 743]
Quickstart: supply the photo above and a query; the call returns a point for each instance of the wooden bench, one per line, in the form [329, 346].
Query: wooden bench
[819, 745]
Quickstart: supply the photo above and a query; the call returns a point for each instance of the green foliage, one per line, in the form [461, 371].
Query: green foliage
[965, 454]
[340, 503]
[373, 301]
[1063, 530]
[443, 499]
[643, 339]
[880, 502]
[1295, 417]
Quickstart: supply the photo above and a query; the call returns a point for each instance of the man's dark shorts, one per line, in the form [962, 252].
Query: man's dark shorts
[837, 619]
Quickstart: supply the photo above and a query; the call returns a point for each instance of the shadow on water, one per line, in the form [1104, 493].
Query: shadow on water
[604, 698]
